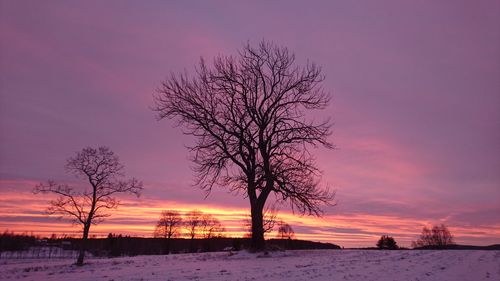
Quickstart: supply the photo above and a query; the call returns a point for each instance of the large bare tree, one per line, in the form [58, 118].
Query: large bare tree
[168, 226]
[89, 206]
[248, 114]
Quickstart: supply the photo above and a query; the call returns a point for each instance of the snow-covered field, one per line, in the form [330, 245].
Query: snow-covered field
[289, 265]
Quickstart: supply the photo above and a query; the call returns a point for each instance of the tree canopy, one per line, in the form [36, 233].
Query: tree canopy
[248, 114]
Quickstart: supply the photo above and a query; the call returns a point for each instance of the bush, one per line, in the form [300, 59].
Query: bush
[437, 237]
[387, 243]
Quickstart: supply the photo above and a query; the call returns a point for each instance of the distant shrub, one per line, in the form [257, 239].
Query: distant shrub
[439, 236]
[285, 231]
[387, 243]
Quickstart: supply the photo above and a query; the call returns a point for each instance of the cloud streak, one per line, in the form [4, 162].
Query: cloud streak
[24, 212]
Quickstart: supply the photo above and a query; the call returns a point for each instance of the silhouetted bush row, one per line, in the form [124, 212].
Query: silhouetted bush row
[131, 246]
[16, 242]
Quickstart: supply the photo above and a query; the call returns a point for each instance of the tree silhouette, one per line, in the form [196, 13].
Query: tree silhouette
[192, 223]
[168, 226]
[88, 206]
[387, 242]
[438, 236]
[211, 226]
[248, 114]
[285, 231]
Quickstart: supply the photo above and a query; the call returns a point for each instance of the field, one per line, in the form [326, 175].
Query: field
[287, 265]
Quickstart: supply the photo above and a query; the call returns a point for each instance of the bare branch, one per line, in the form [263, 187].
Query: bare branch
[193, 223]
[101, 168]
[169, 224]
[248, 115]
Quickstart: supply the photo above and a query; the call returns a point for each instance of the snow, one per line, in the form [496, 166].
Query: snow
[39, 253]
[288, 265]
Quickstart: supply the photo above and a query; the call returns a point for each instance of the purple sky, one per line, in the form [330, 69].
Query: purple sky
[415, 86]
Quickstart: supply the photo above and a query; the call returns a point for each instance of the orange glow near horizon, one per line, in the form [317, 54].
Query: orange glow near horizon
[138, 218]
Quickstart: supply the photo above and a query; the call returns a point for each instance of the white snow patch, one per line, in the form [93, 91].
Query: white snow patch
[288, 265]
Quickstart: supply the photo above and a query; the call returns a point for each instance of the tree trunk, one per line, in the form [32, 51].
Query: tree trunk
[167, 246]
[258, 243]
[192, 247]
[83, 245]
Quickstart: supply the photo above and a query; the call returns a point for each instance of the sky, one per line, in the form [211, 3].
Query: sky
[415, 91]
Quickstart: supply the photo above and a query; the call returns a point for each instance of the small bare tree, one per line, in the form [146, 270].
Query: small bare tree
[88, 206]
[248, 114]
[438, 236]
[211, 227]
[285, 231]
[193, 223]
[168, 226]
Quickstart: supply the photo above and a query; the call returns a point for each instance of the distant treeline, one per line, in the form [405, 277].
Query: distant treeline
[131, 246]
[118, 245]
[16, 242]
[459, 247]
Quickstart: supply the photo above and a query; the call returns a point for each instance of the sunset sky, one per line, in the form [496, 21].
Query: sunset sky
[416, 107]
